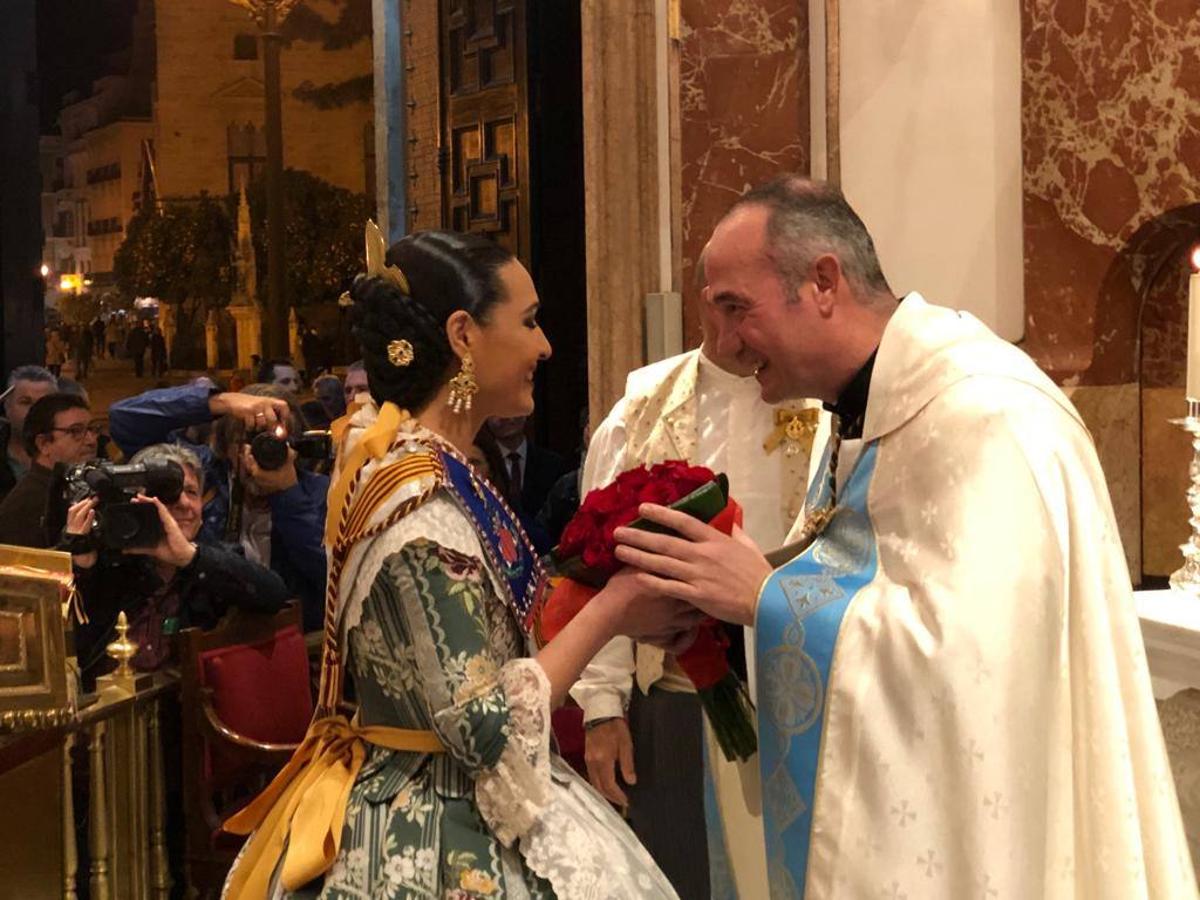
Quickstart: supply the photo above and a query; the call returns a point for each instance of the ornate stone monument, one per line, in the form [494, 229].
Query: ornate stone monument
[247, 314]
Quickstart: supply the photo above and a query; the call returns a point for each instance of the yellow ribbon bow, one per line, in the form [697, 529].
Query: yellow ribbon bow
[794, 428]
[374, 444]
[304, 806]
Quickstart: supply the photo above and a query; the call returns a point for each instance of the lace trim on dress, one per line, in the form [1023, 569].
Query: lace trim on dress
[584, 850]
[513, 794]
[567, 834]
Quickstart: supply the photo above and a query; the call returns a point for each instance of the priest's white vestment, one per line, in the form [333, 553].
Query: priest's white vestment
[953, 692]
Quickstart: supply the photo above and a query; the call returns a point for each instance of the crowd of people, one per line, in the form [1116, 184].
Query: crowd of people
[927, 558]
[73, 349]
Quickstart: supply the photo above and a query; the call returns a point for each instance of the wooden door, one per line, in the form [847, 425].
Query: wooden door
[485, 121]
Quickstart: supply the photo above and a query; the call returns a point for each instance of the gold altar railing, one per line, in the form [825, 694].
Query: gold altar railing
[119, 741]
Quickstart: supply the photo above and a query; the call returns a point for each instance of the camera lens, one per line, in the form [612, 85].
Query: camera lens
[269, 451]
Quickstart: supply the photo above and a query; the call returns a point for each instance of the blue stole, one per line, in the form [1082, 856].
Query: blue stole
[800, 612]
[504, 541]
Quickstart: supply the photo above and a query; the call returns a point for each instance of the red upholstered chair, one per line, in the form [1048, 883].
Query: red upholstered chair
[246, 703]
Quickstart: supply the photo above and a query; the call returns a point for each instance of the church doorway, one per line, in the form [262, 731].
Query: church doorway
[512, 168]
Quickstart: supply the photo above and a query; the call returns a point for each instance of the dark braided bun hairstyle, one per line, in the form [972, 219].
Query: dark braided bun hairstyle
[446, 272]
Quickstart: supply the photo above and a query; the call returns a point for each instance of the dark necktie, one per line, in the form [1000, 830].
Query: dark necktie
[514, 475]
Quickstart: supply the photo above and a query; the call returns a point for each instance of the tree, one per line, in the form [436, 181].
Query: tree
[180, 255]
[79, 309]
[323, 240]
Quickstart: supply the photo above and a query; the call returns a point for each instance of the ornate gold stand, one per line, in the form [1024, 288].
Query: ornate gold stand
[1187, 577]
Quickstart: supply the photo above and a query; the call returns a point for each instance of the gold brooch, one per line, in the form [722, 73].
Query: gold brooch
[794, 429]
[400, 353]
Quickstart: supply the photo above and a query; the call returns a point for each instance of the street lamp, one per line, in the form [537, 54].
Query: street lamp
[269, 16]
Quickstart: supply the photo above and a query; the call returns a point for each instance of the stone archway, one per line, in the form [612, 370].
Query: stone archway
[1131, 382]
[1156, 262]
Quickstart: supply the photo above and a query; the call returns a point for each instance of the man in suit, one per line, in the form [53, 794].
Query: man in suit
[531, 470]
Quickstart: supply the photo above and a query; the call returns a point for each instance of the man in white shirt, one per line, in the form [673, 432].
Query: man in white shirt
[706, 408]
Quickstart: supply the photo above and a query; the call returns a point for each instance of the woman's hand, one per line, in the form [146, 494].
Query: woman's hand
[81, 517]
[646, 612]
[173, 549]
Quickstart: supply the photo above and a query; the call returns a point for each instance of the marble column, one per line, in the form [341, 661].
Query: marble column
[621, 188]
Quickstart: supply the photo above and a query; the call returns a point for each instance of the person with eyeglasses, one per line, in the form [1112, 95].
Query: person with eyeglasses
[57, 429]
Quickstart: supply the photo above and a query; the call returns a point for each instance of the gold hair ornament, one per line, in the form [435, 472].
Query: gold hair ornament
[400, 353]
[377, 267]
[376, 256]
[463, 386]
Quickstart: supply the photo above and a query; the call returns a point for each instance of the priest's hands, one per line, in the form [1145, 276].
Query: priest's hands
[719, 574]
[608, 745]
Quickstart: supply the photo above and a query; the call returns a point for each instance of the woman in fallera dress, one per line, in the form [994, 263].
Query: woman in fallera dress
[433, 589]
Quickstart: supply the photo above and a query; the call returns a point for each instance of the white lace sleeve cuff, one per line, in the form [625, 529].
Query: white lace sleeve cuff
[513, 794]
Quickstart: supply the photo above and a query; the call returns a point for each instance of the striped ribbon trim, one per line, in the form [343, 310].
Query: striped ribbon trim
[382, 485]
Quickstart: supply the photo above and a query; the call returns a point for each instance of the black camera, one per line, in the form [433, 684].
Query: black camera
[120, 523]
[270, 448]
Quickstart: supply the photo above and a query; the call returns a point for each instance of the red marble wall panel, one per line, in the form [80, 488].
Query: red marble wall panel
[744, 112]
[1111, 118]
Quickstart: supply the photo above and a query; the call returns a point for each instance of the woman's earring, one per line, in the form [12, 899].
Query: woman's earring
[463, 386]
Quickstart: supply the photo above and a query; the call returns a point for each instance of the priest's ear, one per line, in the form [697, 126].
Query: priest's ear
[828, 282]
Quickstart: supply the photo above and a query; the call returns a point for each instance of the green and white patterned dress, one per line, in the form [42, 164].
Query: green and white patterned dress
[431, 645]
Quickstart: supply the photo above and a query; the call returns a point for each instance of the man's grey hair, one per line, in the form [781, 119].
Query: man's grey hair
[31, 373]
[357, 366]
[810, 218]
[175, 453]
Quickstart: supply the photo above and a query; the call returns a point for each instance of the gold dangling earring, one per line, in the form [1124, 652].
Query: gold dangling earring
[463, 386]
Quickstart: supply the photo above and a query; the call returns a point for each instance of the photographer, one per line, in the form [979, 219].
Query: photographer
[57, 429]
[178, 583]
[276, 514]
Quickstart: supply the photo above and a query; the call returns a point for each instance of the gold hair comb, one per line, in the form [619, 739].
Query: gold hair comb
[376, 256]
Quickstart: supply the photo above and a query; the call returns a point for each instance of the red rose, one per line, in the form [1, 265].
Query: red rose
[576, 535]
[662, 492]
[599, 557]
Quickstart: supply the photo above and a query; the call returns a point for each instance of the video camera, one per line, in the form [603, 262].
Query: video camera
[270, 448]
[120, 523]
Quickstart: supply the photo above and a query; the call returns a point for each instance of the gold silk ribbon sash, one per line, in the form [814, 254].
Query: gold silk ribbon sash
[305, 805]
[374, 444]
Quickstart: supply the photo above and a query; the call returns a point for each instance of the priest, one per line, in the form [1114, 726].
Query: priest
[953, 695]
[641, 714]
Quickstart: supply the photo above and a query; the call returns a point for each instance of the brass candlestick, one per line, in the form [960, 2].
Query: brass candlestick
[1187, 577]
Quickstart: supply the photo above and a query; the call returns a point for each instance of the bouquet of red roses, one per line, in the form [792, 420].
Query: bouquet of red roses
[586, 559]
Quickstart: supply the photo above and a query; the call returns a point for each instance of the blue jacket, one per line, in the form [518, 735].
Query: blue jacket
[297, 514]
